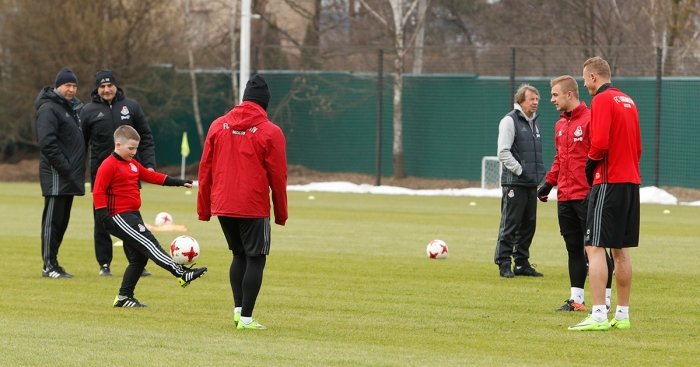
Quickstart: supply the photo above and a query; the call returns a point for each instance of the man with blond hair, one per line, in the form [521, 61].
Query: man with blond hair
[520, 153]
[613, 209]
[568, 173]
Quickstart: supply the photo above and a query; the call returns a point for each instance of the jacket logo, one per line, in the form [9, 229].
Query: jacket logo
[511, 193]
[578, 131]
[125, 113]
[225, 126]
[133, 168]
[100, 114]
[242, 132]
[559, 132]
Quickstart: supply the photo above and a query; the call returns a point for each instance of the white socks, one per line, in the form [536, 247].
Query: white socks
[577, 294]
[237, 309]
[623, 312]
[600, 313]
[246, 320]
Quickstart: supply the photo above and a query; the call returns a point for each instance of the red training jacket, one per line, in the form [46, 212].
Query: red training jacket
[615, 138]
[117, 184]
[244, 157]
[572, 142]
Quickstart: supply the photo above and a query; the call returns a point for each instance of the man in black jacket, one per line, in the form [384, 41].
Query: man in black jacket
[108, 110]
[520, 153]
[61, 163]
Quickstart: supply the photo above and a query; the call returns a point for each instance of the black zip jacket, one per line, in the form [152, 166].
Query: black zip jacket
[100, 120]
[62, 157]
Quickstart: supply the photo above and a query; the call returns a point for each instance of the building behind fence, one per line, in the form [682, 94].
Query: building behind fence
[326, 101]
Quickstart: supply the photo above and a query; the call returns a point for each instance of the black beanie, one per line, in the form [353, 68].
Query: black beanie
[256, 91]
[105, 76]
[65, 76]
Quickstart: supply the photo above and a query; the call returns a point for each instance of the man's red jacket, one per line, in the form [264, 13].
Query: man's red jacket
[243, 159]
[572, 141]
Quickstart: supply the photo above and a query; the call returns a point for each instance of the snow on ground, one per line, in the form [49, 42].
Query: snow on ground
[648, 195]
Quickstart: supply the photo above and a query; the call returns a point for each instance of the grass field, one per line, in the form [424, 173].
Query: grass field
[347, 283]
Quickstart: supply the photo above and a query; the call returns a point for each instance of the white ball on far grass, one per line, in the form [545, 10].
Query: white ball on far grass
[188, 192]
[667, 211]
[311, 197]
[437, 249]
[472, 204]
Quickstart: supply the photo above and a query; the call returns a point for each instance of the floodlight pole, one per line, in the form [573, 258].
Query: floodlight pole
[244, 72]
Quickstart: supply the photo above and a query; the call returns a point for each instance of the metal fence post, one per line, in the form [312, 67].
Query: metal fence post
[657, 141]
[512, 79]
[380, 74]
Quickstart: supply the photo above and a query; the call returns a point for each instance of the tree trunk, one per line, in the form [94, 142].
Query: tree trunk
[234, 55]
[399, 169]
[420, 38]
[193, 77]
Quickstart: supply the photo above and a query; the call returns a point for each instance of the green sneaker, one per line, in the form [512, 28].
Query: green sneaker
[253, 325]
[620, 324]
[236, 317]
[589, 324]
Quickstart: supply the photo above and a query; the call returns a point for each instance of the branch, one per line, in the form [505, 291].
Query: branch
[376, 15]
[408, 13]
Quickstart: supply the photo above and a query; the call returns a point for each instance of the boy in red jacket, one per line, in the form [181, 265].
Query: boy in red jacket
[243, 160]
[117, 201]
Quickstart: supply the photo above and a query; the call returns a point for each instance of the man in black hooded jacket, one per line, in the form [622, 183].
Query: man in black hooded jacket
[108, 110]
[61, 164]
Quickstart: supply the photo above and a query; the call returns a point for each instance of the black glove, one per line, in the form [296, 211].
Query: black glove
[590, 170]
[106, 219]
[172, 181]
[543, 192]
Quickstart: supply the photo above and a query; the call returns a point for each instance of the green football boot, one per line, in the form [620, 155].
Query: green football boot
[590, 324]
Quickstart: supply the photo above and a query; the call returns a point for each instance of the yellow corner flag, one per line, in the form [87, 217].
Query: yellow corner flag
[185, 148]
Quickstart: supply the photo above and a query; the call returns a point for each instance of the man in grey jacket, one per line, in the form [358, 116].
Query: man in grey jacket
[61, 163]
[520, 153]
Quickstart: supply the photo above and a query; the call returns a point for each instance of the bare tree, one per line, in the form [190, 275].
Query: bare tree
[234, 54]
[193, 76]
[675, 24]
[397, 27]
[87, 35]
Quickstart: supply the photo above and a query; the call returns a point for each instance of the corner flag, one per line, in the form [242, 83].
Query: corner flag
[185, 148]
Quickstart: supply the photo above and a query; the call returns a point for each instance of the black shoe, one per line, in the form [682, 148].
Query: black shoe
[128, 302]
[104, 271]
[55, 272]
[505, 271]
[527, 270]
[570, 305]
[145, 273]
[191, 274]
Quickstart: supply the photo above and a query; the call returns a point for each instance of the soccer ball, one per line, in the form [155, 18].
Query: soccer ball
[437, 249]
[184, 250]
[163, 218]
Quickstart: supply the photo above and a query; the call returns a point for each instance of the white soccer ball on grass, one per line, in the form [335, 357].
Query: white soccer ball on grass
[184, 250]
[163, 218]
[437, 249]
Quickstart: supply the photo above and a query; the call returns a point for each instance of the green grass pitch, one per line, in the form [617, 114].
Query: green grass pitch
[348, 283]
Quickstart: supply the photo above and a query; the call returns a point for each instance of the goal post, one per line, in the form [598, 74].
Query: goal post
[490, 173]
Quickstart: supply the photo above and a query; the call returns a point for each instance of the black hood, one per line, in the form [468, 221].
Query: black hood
[49, 94]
